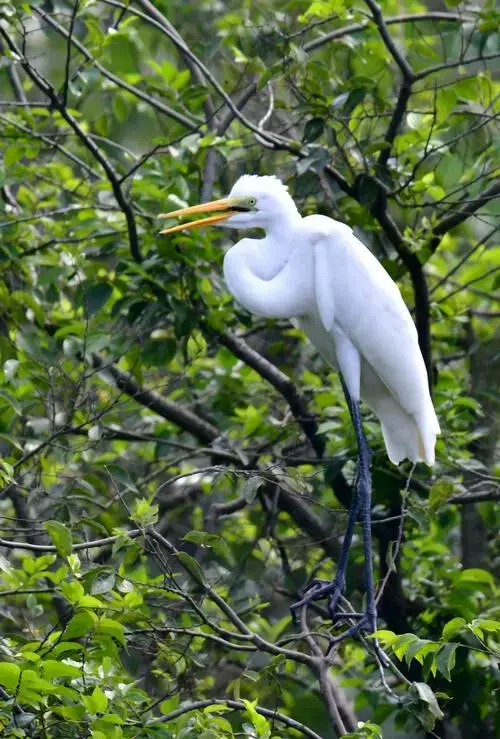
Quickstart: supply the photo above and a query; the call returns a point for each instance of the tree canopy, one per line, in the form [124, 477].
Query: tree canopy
[174, 471]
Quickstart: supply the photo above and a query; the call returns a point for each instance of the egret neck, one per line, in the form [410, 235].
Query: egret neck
[254, 267]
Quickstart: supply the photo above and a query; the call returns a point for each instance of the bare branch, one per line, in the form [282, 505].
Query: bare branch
[474, 497]
[112, 176]
[52, 144]
[239, 706]
[283, 385]
[136, 91]
[390, 20]
[464, 258]
[461, 215]
[396, 54]
[165, 408]
[157, 15]
[68, 52]
[455, 63]
[132, 534]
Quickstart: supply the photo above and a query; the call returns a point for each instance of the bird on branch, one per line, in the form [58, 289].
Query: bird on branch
[315, 271]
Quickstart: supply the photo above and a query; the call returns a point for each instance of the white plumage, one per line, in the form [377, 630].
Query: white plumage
[316, 271]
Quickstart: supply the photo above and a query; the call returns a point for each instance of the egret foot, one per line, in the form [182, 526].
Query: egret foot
[319, 589]
[368, 623]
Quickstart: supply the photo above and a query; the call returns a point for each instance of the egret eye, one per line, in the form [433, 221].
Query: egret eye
[252, 201]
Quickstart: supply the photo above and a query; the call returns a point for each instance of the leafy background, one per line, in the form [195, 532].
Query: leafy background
[174, 471]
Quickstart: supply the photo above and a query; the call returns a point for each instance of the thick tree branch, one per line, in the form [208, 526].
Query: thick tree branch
[418, 279]
[396, 54]
[395, 122]
[461, 215]
[165, 408]
[282, 384]
[474, 497]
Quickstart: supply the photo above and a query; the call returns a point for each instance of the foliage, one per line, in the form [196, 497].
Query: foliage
[174, 471]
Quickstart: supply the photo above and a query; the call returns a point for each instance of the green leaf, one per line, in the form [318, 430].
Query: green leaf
[95, 703]
[12, 155]
[9, 675]
[159, 353]
[192, 566]
[79, 625]
[445, 659]
[439, 494]
[112, 628]
[251, 487]
[387, 638]
[402, 643]
[487, 624]
[31, 682]
[145, 512]
[313, 130]
[72, 591]
[260, 723]
[170, 705]
[61, 537]
[70, 713]
[97, 296]
[121, 53]
[51, 668]
[426, 694]
[475, 575]
[11, 401]
[453, 627]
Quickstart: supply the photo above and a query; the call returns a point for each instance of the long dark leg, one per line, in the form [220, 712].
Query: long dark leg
[333, 590]
[365, 500]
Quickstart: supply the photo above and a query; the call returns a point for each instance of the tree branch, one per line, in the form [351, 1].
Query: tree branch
[112, 176]
[281, 383]
[137, 92]
[396, 54]
[162, 20]
[239, 706]
[394, 19]
[461, 215]
[165, 408]
[456, 63]
[417, 276]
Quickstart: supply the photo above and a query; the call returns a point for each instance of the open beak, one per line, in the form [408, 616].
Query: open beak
[225, 208]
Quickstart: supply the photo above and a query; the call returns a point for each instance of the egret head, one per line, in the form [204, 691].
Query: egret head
[254, 202]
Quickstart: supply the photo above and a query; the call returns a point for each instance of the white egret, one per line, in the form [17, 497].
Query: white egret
[317, 272]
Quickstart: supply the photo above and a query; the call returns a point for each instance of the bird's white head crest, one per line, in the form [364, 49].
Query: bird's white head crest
[269, 197]
[254, 202]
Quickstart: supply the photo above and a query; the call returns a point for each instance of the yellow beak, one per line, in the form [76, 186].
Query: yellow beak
[225, 205]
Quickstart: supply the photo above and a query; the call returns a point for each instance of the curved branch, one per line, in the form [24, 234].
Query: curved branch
[394, 19]
[396, 54]
[281, 383]
[455, 219]
[137, 92]
[237, 705]
[165, 408]
[112, 176]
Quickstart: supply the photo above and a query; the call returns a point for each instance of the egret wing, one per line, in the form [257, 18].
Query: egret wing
[325, 296]
[369, 309]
